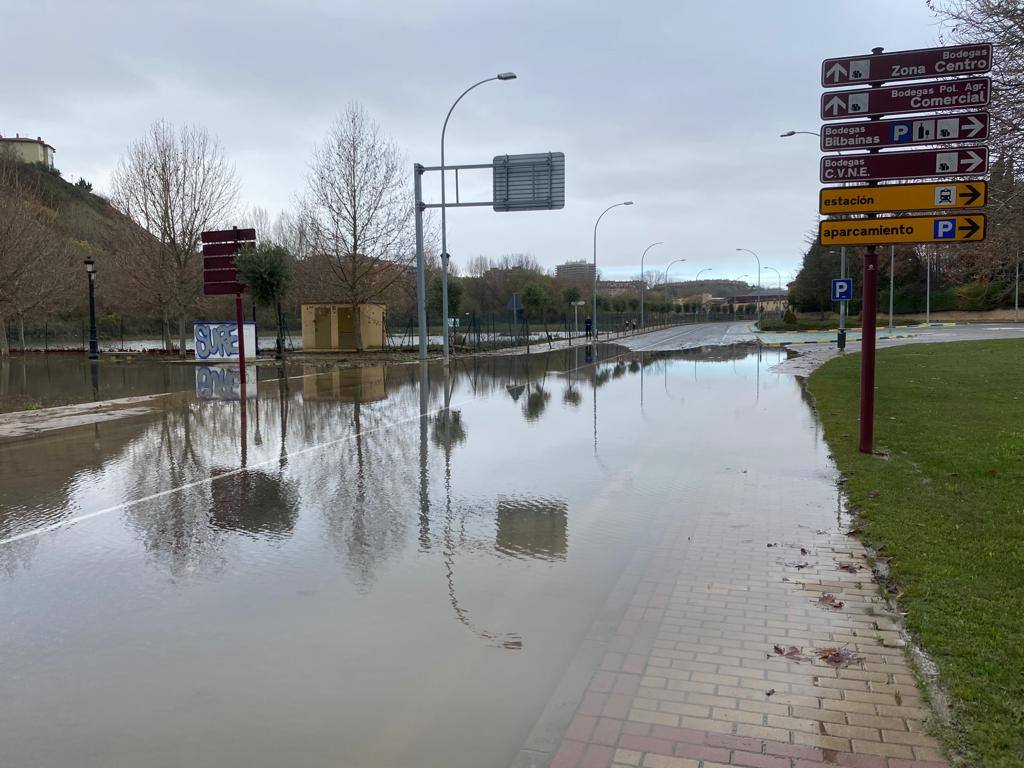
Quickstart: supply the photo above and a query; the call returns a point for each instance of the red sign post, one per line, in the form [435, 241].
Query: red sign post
[221, 278]
[907, 99]
[906, 132]
[919, 64]
[943, 96]
[923, 164]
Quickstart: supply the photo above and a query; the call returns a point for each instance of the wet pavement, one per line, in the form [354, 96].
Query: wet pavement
[387, 566]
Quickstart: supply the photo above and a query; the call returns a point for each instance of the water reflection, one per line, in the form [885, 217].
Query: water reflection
[533, 527]
[393, 543]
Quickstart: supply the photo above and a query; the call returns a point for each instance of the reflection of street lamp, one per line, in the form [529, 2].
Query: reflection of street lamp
[643, 281]
[94, 346]
[594, 297]
[444, 232]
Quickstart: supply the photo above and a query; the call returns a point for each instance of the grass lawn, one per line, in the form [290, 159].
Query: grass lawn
[948, 508]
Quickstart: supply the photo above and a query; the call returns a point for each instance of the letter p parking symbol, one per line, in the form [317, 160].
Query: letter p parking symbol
[945, 229]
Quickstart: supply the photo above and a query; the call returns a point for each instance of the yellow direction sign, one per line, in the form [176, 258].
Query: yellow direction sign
[902, 197]
[909, 229]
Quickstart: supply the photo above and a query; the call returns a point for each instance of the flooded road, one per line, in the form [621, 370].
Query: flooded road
[385, 567]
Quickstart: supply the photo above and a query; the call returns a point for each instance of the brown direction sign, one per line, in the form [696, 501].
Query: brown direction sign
[931, 129]
[922, 164]
[228, 235]
[907, 99]
[919, 64]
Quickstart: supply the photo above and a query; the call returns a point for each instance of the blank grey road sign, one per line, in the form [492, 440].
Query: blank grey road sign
[529, 182]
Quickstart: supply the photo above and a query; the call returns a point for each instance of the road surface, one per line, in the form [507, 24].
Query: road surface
[683, 337]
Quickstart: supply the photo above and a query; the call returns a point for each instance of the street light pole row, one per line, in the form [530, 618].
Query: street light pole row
[594, 296]
[444, 228]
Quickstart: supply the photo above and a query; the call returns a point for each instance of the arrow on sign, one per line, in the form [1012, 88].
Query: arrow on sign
[973, 193]
[834, 105]
[836, 71]
[974, 125]
[972, 161]
[971, 228]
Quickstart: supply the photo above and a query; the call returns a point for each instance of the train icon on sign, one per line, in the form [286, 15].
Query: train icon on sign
[842, 289]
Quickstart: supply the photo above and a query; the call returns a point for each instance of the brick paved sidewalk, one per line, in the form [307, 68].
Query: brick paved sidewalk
[685, 680]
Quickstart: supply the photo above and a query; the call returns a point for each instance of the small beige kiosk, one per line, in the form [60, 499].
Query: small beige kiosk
[332, 327]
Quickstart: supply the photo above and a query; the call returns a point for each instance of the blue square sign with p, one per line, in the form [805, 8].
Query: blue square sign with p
[842, 289]
[945, 229]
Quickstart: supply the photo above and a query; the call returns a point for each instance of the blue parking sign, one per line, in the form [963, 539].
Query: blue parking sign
[842, 289]
[945, 229]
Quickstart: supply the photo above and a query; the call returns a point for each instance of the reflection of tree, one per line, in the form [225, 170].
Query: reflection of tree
[447, 429]
[572, 396]
[536, 402]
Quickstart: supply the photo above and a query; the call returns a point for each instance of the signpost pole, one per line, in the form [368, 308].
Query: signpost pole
[868, 318]
[928, 290]
[892, 281]
[1016, 291]
[421, 283]
[240, 320]
[841, 340]
[867, 349]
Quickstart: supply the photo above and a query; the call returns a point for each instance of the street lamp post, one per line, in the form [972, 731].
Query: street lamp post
[594, 296]
[643, 281]
[697, 279]
[758, 258]
[778, 275]
[94, 345]
[444, 229]
[677, 261]
[741, 277]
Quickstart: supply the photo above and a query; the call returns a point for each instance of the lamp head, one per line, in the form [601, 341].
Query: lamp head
[506, 75]
[628, 202]
[90, 264]
[787, 134]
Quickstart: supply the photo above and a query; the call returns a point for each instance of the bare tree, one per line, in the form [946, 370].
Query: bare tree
[357, 211]
[174, 183]
[1000, 22]
[34, 259]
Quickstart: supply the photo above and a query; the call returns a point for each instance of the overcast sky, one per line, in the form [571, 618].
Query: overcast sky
[675, 104]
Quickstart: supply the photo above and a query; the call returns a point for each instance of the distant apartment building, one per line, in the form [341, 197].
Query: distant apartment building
[578, 273]
[27, 150]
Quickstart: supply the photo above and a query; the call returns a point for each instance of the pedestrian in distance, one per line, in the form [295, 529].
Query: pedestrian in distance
[588, 326]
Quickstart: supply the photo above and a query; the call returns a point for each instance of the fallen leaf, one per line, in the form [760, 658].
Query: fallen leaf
[828, 600]
[853, 532]
[849, 567]
[839, 657]
[798, 566]
[803, 551]
[792, 653]
[774, 544]
[770, 692]
[874, 494]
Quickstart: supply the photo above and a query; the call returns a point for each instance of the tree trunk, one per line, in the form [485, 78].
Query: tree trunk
[5, 350]
[21, 332]
[181, 335]
[357, 327]
[280, 332]
[167, 331]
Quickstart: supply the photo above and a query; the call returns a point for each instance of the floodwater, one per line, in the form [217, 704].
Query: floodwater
[384, 567]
